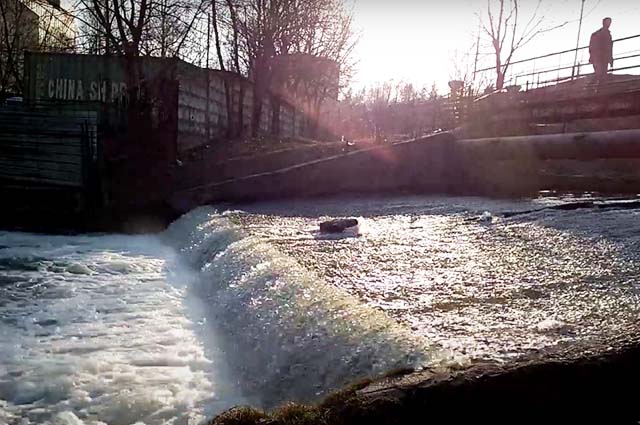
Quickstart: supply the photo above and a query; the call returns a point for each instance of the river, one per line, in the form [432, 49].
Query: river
[251, 305]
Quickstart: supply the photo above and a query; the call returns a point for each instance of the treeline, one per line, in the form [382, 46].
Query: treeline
[254, 38]
[390, 111]
[263, 40]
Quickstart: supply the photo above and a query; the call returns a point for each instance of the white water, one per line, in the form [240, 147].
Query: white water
[93, 330]
[289, 334]
[258, 308]
[176, 327]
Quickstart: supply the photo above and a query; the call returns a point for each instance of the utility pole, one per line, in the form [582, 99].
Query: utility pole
[575, 58]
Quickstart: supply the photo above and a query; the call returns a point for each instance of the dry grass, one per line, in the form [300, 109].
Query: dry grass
[242, 415]
[339, 408]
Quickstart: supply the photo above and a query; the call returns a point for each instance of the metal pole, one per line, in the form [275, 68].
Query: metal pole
[207, 119]
[575, 58]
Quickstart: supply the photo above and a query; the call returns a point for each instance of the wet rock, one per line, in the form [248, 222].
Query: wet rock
[552, 388]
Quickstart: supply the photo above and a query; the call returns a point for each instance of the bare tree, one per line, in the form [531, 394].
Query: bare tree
[379, 99]
[132, 28]
[17, 32]
[463, 68]
[318, 57]
[262, 36]
[122, 23]
[508, 34]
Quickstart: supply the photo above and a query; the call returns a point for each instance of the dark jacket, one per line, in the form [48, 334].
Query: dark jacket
[601, 47]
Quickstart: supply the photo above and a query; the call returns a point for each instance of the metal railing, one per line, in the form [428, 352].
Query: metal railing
[553, 68]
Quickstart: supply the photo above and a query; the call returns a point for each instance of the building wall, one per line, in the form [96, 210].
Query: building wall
[34, 25]
[56, 27]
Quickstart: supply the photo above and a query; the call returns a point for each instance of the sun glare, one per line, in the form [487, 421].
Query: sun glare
[419, 42]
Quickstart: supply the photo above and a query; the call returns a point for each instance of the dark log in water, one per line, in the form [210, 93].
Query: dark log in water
[337, 225]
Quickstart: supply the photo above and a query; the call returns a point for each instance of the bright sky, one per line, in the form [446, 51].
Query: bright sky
[416, 40]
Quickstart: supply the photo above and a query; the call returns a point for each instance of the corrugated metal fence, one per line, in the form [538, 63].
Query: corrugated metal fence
[44, 149]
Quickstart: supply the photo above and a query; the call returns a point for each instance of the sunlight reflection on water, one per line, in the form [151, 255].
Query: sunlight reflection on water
[490, 290]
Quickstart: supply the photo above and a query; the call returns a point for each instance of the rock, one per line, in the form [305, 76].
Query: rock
[337, 225]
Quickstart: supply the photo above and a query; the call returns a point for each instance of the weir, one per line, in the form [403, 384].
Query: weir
[443, 164]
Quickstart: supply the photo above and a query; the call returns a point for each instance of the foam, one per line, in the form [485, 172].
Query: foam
[289, 335]
[169, 329]
[93, 331]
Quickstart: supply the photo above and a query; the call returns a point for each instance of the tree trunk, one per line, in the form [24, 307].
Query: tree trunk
[500, 80]
[499, 71]
[234, 24]
[216, 33]
[259, 91]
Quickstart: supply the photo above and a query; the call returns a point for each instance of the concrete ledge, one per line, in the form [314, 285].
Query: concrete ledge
[439, 164]
[580, 385]
[576, 146]
[563, 388]
[418, 165]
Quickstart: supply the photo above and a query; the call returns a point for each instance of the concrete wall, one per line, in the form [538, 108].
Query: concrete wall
[442, 164]
[419, 166]
[560, 109]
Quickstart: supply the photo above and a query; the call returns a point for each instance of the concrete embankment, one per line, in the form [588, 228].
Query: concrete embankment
[447, 164]
[374, 170]
[580, 385]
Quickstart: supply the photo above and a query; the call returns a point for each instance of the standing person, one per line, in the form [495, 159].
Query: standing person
[601, 51]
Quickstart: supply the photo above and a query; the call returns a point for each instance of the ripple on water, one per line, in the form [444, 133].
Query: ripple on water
[493, 291]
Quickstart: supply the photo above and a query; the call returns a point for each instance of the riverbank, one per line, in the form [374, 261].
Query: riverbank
[137, 200]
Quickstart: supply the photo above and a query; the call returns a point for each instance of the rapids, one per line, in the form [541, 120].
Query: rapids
[255, 306]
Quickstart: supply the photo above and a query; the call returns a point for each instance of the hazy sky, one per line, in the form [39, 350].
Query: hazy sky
[417, 40]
